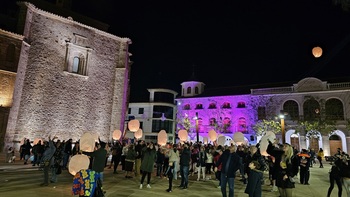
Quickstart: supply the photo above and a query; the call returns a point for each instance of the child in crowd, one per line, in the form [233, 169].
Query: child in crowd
[255, 179]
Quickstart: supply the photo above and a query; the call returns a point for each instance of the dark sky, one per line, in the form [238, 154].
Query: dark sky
[226, 42]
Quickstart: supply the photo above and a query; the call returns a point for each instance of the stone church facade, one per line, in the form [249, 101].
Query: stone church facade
[61, 77]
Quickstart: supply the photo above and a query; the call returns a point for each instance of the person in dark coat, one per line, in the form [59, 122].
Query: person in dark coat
[284, 168]
[305, 160]
[185, 160]
[98, 161]
[335, 175]
[26, 147]
[160, 161]
[147, 163]
[170, 173]
[48, 160]
[231, 162]
[255, 178]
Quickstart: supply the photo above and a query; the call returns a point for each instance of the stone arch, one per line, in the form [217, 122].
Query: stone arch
[290, 139]
[342, 138]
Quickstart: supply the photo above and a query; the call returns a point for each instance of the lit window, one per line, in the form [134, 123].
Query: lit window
[212, 106]
[199, 106]
[187, 107]
[226, 105]
[212, 121]
[241, 104]
[75, 68]
[242, 125]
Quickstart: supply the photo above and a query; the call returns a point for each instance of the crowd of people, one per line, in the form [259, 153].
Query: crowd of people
[140, 159]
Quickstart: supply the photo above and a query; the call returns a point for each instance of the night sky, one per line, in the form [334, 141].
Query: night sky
[227, 42]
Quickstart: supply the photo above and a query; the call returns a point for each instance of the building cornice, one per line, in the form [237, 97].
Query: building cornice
[12, 35]
[70, 20]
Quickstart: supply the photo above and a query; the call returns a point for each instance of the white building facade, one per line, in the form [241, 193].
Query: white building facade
[156, 115]
[310, 100]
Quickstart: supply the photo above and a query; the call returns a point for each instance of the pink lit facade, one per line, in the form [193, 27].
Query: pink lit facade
[225, 114]
[308, 100]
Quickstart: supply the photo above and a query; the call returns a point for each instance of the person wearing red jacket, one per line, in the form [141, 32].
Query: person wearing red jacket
[304, 166]
[219, 151]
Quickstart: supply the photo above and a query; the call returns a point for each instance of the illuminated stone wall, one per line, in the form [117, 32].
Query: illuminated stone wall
[48, 100]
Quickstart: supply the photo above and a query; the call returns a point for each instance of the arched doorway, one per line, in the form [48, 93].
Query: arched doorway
[294, 141]
[334, 143]
[313, 143]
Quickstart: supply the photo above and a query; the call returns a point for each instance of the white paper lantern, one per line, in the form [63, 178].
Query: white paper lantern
[212, 135]
[77, 163]
[238, 137]
[134, 125]
[263, 145]
[117, 134]
[138, 134]
[221, 140]
[95, 136]
[183, 135]
[270, 135]
[162, 137]
[87, 142]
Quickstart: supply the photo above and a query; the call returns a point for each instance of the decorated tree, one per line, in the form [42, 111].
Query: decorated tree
[262, 126]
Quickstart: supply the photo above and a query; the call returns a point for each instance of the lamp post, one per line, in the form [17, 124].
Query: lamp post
[282, 129]
[197, 128]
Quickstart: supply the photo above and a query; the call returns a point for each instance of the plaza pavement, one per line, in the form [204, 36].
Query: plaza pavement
[17, 179]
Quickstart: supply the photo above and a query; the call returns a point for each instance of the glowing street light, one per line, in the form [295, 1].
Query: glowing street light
[197, 128]
[281, 116]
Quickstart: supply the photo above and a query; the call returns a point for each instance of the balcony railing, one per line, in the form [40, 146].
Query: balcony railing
[290, 89]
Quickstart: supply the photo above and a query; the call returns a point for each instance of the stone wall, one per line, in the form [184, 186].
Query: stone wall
[51, 101]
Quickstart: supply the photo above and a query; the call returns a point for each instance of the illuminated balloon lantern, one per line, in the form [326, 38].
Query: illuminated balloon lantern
[238, 137]
[162, 137]
[317, 52]
[95, 136]
[117, 134]
[134, 125]
[138, 134]
[36, 140]
[87, 142]
[270, 136]
[77, 163]
[263, 145]
[183, 135]
[212, 135]
[221, 140]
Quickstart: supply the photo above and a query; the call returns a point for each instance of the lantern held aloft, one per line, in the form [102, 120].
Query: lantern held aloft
[134, 125]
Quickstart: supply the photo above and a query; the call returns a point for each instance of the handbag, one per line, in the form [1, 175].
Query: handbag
[98, 190]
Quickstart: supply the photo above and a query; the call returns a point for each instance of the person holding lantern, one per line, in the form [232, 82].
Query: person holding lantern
[284, 168]
[147, 164]
[98, 161]
[129, 160]
[47, 159]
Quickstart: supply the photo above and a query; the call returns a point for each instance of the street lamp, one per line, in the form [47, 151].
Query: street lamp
[197, 128]
[282, 128]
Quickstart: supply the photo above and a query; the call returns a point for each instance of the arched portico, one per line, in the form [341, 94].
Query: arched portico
[342, 137]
